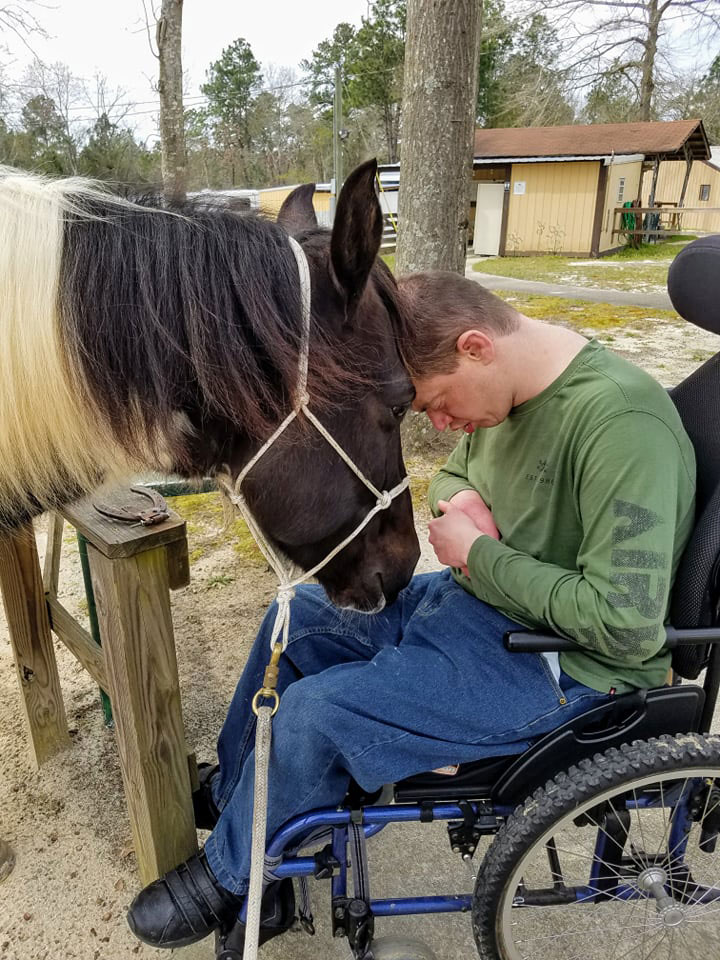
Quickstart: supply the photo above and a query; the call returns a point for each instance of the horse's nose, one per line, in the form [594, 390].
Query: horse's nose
[396, 576]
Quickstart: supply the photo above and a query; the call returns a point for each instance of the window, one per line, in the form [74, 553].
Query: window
[704, 191]
[621, 189]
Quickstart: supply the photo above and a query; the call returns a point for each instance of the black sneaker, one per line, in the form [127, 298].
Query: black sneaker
[276, 916]
[206, 813]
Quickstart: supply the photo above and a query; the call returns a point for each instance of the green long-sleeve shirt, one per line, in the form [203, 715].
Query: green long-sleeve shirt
[591, 484]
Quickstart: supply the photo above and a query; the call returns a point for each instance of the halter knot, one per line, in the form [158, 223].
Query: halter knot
[303, 399]
[285, 593]
[384, 500]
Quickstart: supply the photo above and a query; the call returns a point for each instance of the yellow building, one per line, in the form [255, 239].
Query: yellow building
[539, 190]
[701, 199]
[270, 199]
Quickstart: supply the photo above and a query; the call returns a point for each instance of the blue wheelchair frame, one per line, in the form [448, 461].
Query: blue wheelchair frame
[641, 715]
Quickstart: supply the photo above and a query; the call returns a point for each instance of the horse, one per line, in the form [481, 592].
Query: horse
[136, 337]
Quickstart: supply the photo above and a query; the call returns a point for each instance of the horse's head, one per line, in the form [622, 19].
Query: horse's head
[301, 492]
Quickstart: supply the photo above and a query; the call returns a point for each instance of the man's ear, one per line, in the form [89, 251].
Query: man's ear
[297, 212]
[476, 345]
[357, 233]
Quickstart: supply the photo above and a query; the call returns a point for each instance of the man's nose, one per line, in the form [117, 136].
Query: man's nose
[438, 420]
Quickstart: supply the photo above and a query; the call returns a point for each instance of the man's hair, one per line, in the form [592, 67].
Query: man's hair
[441, 306]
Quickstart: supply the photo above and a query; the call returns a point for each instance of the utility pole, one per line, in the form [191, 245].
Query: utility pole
[337, 137]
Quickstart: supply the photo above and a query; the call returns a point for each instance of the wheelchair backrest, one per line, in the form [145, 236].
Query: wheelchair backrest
[694, 288]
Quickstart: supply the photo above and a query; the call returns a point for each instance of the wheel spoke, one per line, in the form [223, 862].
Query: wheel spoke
[603, 848]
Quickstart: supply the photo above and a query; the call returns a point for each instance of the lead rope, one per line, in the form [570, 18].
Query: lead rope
[285, 592]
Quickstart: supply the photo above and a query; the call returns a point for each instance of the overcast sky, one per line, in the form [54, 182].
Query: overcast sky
[92, 35]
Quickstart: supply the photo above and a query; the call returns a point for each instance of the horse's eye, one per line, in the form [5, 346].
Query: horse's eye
[400, 410]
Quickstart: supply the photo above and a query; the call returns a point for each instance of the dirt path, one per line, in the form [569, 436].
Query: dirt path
[75, 872]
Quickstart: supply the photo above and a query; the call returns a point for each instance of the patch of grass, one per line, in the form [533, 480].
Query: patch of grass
[581, 313]
[389, 259]
[421, 470]
[626, 275]
[207, 529]
[700, 356]
[652, 251]
[220, 580]
[628, 270]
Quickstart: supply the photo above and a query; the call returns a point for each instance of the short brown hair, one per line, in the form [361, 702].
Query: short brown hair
[441, 306]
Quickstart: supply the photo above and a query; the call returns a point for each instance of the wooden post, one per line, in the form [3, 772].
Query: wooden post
[133, 607]
[31, 642]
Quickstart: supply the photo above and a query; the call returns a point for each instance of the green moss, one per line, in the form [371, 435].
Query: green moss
[582, 313]
[421, 471]
[204, 515]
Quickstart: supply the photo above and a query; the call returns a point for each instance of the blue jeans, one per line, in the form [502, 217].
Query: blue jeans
[424, 684]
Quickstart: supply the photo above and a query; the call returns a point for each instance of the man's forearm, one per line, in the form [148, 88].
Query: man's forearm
[544, 595]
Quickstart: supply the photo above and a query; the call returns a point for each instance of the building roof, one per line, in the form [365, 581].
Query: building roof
[714, 160]
[663, 139]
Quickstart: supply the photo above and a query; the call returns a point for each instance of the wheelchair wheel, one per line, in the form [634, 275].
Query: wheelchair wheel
[616, 858]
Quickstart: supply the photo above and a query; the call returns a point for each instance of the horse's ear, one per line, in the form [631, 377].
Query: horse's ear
[297, 212]
[357, 232]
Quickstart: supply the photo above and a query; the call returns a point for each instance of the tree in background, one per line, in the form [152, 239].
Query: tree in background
[628, 39]
[19, 18]
[440, 84]
[370, 60]
[168, 37]
[612, 99]
[374, 68]
[43, 142]
[520, 82]
[112, 153]
[706, 102]
[326, 57]
[232, 84]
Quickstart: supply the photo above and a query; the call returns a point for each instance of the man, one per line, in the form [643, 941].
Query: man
[566, 505]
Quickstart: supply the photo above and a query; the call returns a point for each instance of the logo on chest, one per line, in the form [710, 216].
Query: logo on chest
[541, 475]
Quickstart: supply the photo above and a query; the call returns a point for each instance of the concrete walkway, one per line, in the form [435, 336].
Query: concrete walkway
[625, 298]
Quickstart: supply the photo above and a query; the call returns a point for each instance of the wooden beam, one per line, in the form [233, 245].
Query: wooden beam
[502, 249]
[53, 548]
[133, 607]
[32, 644]
[688, 168]
[78, 641]
[599, 210]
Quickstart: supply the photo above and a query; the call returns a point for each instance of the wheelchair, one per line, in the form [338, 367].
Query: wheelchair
[603, 835]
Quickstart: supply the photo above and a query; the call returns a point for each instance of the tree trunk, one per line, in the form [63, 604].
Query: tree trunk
[172, 122]
[647, 82]
[438, 125]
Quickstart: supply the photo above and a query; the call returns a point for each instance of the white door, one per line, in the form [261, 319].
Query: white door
[488, 218]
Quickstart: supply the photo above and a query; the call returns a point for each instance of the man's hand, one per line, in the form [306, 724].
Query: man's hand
[472, 504]
[452, 535]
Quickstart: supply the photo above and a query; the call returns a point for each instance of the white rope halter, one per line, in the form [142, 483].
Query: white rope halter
[384, 498]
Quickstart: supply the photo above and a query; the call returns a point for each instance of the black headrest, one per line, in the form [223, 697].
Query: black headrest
[694, 283]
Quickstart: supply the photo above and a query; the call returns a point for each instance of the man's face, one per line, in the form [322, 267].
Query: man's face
[468, 398]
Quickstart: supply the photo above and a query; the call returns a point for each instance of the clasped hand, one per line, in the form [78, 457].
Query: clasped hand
[465, 517]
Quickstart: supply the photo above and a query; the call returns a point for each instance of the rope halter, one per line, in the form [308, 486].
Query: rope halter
[383, 498]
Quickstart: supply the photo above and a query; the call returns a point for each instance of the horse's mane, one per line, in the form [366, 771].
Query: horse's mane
[113, 312]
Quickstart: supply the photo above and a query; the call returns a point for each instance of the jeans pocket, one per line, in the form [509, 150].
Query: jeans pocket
[550, 677]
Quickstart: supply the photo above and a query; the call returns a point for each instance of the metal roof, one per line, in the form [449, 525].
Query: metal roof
[664, 139]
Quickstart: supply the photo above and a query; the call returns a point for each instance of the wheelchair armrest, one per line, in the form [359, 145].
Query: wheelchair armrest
[534, 641]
